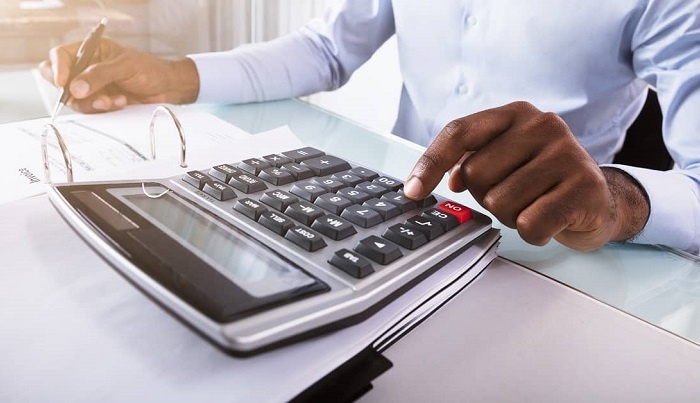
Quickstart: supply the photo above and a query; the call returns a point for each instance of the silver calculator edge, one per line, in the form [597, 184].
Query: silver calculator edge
[246, 337]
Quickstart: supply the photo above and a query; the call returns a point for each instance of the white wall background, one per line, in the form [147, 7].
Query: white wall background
[372, 94]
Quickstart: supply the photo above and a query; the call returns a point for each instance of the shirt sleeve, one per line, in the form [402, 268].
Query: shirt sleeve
[674, 198]
[665, 53]
[319, 57]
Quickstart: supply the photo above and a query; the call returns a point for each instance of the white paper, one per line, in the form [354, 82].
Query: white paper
[80, 332]
[117, 145]
[323, 354]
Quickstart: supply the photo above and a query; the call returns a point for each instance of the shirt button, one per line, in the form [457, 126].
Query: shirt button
[471, 20]
[463, 89]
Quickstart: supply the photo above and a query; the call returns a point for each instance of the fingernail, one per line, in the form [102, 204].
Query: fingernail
[120, 102]
[79, 88]
[99, 105]
[413, 189]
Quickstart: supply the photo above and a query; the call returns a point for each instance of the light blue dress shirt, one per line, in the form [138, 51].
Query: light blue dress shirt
[589, 61]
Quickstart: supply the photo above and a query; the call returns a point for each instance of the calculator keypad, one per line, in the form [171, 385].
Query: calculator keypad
[315, 200]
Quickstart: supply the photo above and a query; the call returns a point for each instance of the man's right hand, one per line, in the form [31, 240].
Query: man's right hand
[526, 167]
[118, 76]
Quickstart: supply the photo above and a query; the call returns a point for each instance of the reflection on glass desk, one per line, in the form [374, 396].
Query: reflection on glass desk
[654, 284]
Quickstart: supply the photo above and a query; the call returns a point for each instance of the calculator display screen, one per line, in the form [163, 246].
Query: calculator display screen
[254, 269]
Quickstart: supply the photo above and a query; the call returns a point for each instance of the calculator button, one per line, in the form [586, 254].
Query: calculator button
[363, 216]
[307, 190]
[276, 176]
[330, 184]
[373, 189]
[196, 179]
[332, 202]
[351, 263]
[348, 178]
[326, 165]
[306, 238]
[275, 222]
[357, 196]
[278, 199]
[276, 160]
[428, 201]
[364, 173]
[460, 212]
[224, 172]
[389, 183]
[298, 171]
[399, 200]
[253, 165]
[247, 183]
[334, 227]
[406, 236]
[384, 208]
[219, 190]
[448, 221]
[304, 212]
[430, 227]
[302, 154]
[250, 208]
[378, 249]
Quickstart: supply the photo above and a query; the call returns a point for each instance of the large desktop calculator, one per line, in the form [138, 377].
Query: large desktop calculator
[271, 249]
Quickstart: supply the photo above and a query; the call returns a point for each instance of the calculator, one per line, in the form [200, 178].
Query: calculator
[272, 249]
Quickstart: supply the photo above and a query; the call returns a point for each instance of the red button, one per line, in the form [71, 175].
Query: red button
[461, 213]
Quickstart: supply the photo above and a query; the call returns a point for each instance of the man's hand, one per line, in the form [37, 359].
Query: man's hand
[119, 76]
[526, 168]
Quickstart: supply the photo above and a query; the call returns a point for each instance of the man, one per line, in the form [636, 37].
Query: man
[522, 103]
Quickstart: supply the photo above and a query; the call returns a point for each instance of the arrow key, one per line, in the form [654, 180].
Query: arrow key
[378, 249]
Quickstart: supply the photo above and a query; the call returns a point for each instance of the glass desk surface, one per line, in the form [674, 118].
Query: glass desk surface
[652, 283]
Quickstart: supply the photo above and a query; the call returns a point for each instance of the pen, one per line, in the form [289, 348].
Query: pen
[82, 60]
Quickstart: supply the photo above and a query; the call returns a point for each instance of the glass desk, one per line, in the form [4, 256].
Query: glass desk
[654, 284]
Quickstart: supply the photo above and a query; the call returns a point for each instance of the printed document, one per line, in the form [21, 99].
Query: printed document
[117, 145]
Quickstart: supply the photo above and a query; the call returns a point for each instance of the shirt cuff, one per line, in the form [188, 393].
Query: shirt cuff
[674, 212]
[219, 77]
